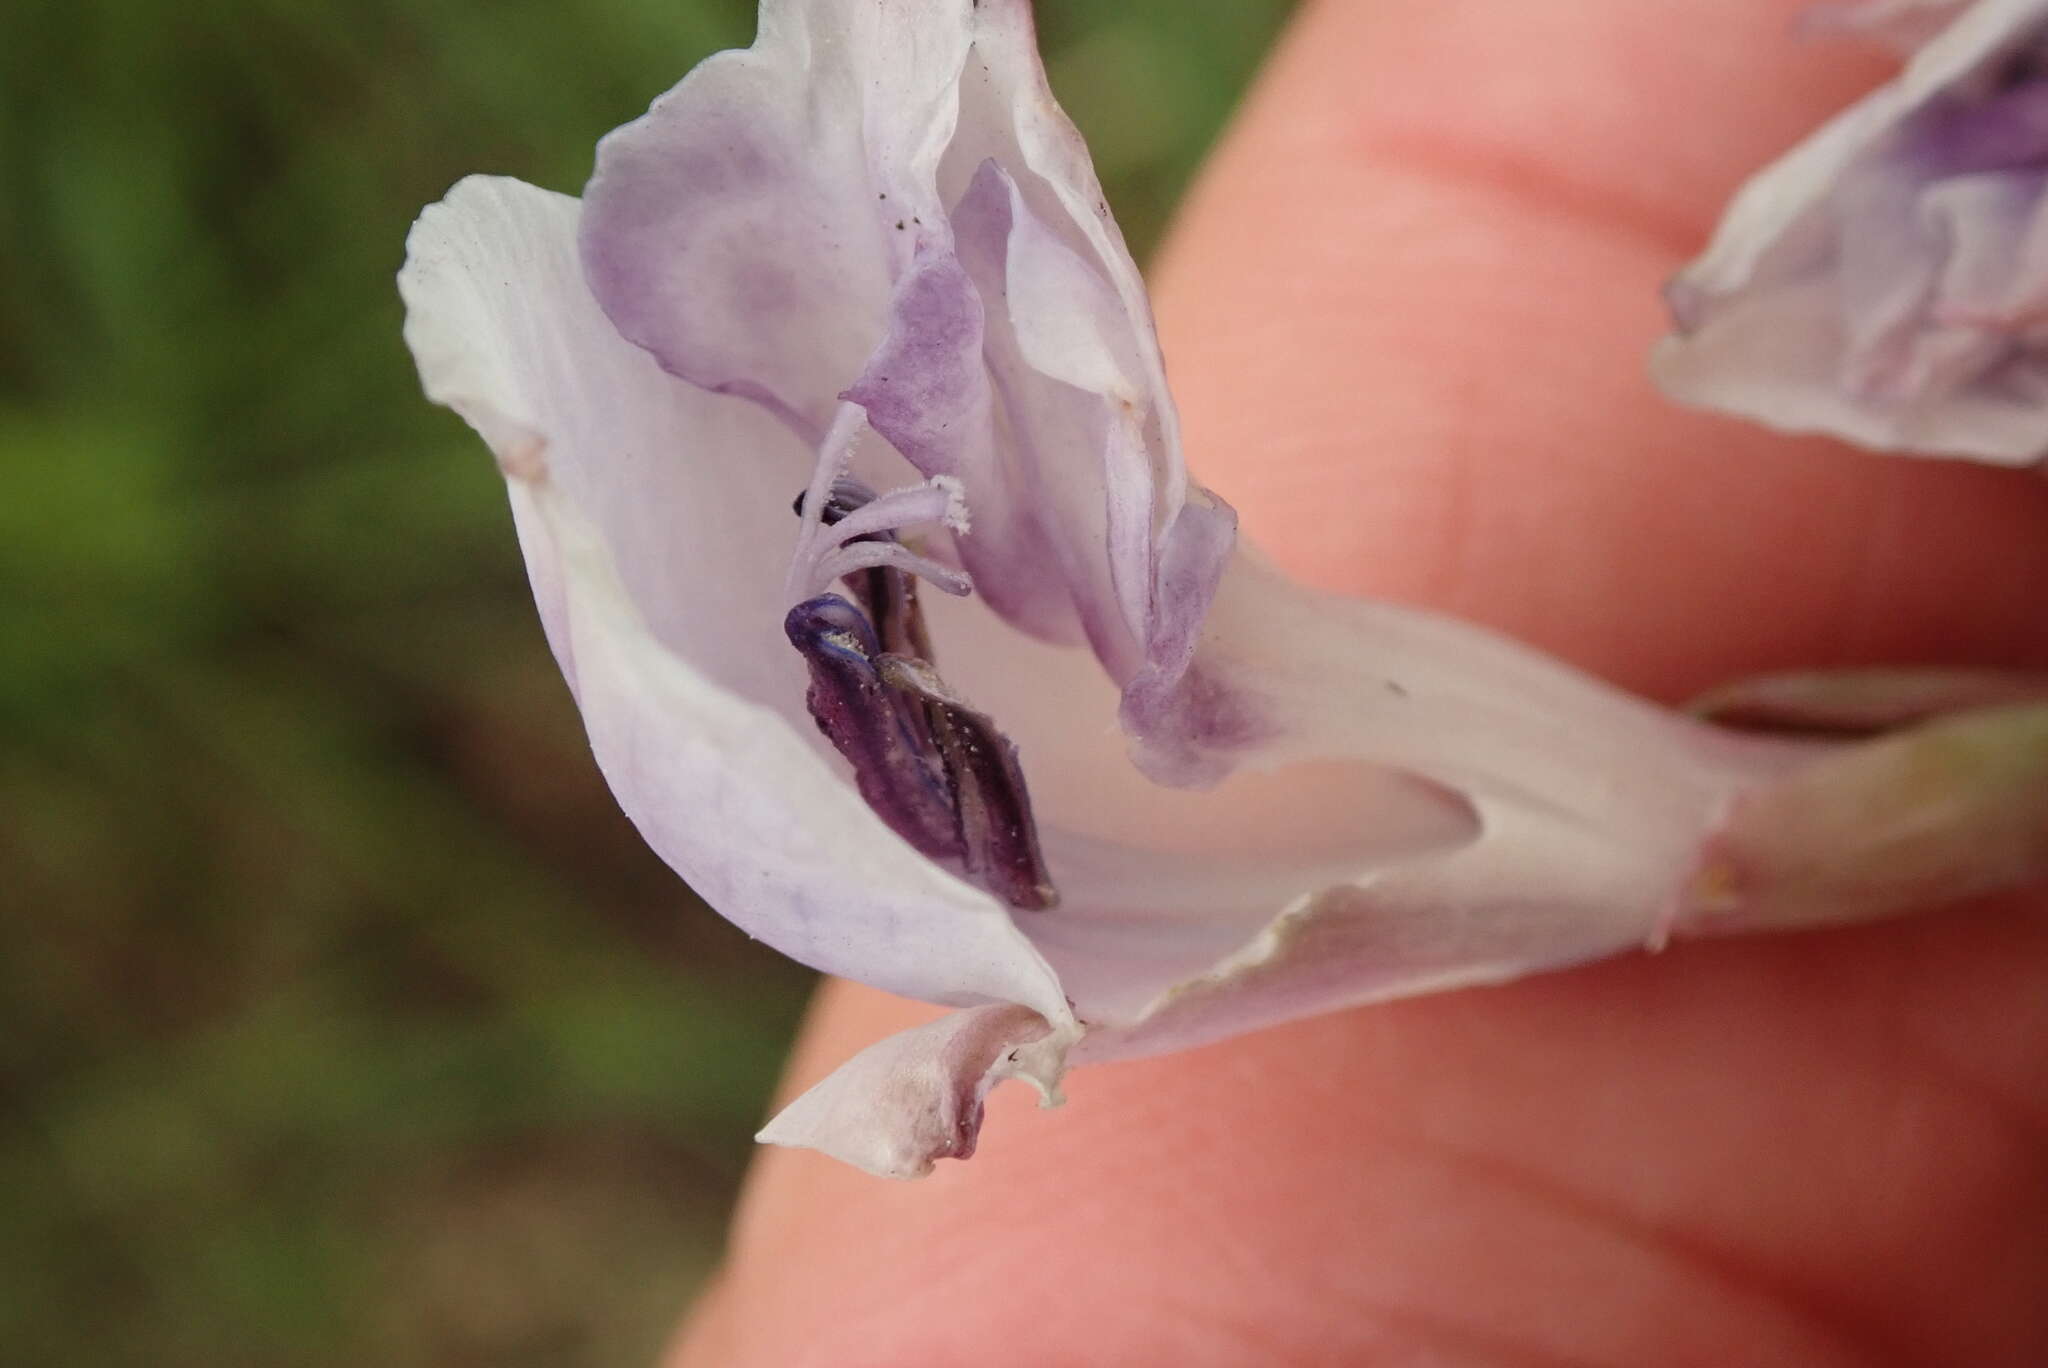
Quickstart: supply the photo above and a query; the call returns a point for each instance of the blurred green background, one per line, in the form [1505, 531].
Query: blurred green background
[342, 1017]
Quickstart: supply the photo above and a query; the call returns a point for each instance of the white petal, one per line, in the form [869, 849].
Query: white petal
[1506, 813]
[1008, 113]
[1008, 116]
[1537, 891]
[916, 1097]
[782, 226]
[1069, 324]
[734, 793]
[691, 490]
[1588, 808]
[1777, 360]
[1157, 884]
[1071, 460]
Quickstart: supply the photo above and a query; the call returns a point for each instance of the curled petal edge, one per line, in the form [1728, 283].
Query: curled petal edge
[916, 1097]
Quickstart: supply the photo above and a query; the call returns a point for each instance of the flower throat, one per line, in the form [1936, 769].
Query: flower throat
[931, 766]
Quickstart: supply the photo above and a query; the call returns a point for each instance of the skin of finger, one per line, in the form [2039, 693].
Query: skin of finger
[1818, 1151]
[1821, 1149]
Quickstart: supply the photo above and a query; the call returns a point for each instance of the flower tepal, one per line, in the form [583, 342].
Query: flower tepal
[1887, 280]
[926, 258]
[878, 204]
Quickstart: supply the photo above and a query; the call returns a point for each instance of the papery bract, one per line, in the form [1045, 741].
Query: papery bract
[1887, 280]
[866, 262]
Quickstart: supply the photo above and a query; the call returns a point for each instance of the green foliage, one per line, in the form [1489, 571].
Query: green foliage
[343, 1019]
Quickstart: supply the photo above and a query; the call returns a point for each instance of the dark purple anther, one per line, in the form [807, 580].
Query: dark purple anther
[997, 832]
[897, 772]
[937, 771]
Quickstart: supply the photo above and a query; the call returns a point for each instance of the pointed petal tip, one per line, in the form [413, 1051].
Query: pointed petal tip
[451, 324]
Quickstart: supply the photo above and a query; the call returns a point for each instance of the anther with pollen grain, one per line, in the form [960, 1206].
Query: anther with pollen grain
[931, 766]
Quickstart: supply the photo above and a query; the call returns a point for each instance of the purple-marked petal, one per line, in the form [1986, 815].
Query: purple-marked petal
[785, 227]
[694, 706]
[1071, 456]
[928, 390]
[1186, 729]
[1887, 280]
[908, 1101]
[745, 229]
[1584, 808]
[1009, 364]
[925, 387]
[1008, 115]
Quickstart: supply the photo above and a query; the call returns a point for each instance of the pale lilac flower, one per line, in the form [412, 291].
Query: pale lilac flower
[1887, 280]
[1118, 787]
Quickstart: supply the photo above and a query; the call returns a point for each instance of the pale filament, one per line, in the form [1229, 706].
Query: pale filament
[869, 555]
[826, 552]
